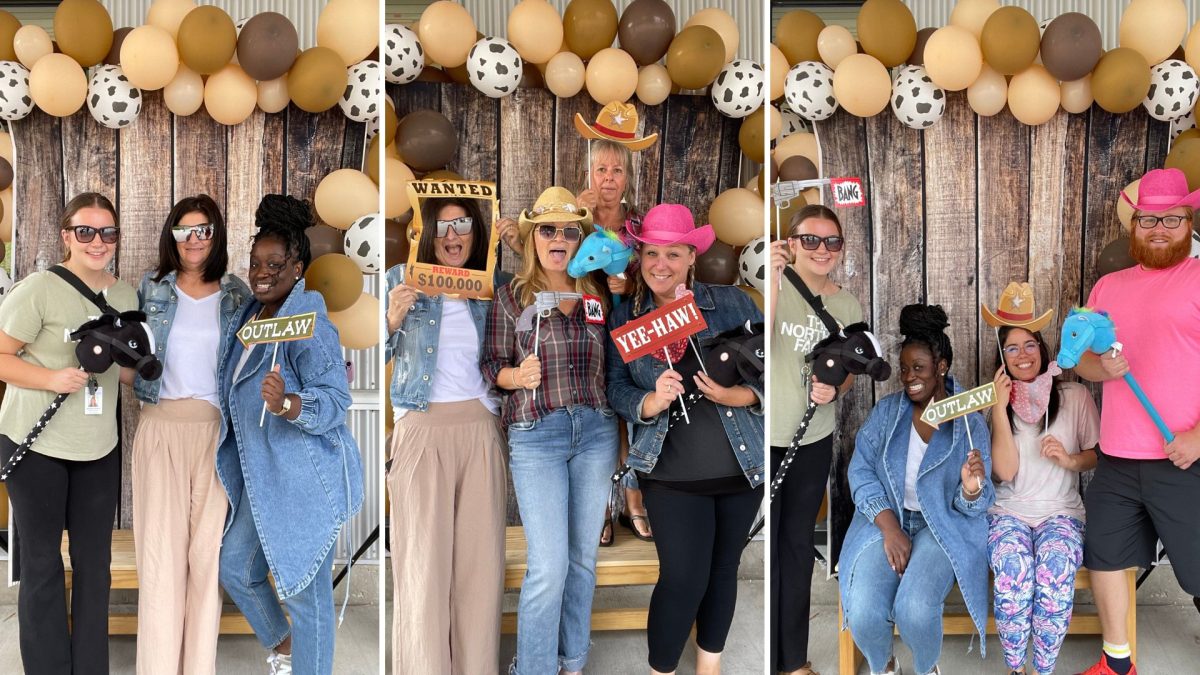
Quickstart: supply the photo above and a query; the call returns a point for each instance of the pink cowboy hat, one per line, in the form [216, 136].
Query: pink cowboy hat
[668, 224]
[1163, 190]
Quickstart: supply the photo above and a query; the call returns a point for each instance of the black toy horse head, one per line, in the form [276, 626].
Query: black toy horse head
[123, 338]
[854, 352]
[736, 356]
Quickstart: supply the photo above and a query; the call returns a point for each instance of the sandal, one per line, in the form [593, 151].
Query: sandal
[631, 523]
[606, 533]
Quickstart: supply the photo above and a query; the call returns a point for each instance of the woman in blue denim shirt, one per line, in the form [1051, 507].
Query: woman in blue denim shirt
[701, 479]
[296, 479]
[447, 475]
[179, 505]
[921, 495]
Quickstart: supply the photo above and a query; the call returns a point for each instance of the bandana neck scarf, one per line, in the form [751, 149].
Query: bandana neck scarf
[1030, 399]
[679, 347]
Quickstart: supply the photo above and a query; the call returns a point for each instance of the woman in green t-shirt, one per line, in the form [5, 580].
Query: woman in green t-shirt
[812, 249]
[71, 477]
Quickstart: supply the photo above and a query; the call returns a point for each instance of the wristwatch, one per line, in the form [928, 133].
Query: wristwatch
[287, 405]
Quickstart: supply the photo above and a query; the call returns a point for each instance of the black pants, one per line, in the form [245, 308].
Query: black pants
[48, 496]
[699, 540]
[793, 517]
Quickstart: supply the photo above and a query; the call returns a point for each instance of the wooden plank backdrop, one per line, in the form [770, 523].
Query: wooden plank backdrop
[956, 212]
[146, 167]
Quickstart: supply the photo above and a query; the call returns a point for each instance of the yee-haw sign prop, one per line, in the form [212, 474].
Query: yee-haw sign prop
[667, 324]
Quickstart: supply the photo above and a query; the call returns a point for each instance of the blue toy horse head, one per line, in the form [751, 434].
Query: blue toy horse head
[601, 250]
[1082, 330]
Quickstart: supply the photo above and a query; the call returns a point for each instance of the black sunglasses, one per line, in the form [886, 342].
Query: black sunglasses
[84, 234]
[811, 242]
[571, 234]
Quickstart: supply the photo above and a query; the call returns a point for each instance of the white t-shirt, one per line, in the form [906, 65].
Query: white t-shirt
[190, 366]
[457, 376]
[912, 467]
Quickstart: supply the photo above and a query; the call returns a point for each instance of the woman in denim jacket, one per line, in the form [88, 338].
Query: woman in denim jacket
[921, 495]
[447, 476]
[701, 479]
[178, 503]
[294, 481]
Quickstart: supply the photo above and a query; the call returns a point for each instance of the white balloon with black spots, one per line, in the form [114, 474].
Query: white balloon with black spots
[15, 101]
[112, 100]
[495, 67]
[1178, 126]
[6, 284]
[752, 264]
[792, 123]
[1173, 90]
[916, 100]
[808, 88]
[738, 89]
[360, 101]
[362, 242]
[403, 57]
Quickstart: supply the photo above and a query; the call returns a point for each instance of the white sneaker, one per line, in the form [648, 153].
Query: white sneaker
[893, 668]
[281, 664]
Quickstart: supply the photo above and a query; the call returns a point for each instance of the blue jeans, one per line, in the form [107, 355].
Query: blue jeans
[560, 466]
[244, 575]
[913, 602]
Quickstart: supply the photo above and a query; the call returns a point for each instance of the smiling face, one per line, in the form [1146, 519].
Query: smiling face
[193, 253]
[609, 177]
[1022, 354]
[663, 268]
[1160, 247]
[94, 255]
[554, 254]
[821, 261]
[453, 249]
[273, 272]
[921, 376]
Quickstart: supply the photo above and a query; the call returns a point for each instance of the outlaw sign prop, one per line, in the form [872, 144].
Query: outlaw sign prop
[665, 325]
[277, 329]
[969, 401]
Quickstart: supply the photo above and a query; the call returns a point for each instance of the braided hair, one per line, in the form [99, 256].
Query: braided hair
[285, 218]
[926, 325]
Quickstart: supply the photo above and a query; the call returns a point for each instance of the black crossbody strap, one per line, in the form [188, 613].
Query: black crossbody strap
[96, 299]
[814, 301]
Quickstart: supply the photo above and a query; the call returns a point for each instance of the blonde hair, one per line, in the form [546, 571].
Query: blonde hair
[604, 146]
[531, 278]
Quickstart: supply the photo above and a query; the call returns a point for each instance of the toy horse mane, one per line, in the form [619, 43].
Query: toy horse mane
[600, 250]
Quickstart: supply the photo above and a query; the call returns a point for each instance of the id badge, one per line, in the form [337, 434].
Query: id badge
[93, 398]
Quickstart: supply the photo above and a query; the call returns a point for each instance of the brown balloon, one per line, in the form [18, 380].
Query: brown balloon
[317, 79]
[717, 265]
[83, 31]
[646, 29]
[337, 278]
[695, 57]
[2, 251]
[114, 53]
[887, 31]
[426, 140]
[1121, 80]
[6, 174]
[798, 167]
[9, 25]
[531, 77]
[207, 40]
[1115, 257]
[459, 74]
[428, 74]
[1185, 156]
[324, 239]
[589, 26]
[750, 136]
[395, 243]
[266, 47]
[796, 36]
[917, 58]
[1071, 46]
[441, 174]
[1010, 40]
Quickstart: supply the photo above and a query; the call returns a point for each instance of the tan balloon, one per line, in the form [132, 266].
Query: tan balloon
[1076, 95]
[207, 39]
[796, 35]
[447, 32]
[779, 71]
[1033, 95]
[358, 325]
[1121, 80]
[58, 85]
[230, 95]
[6, 201]
[184, 94]
[1153, 27]
[535, 29]
[344, 196]
[6, 146]
[149, 58]
[887, 31]
[834, 43]
[168, 14]
[861, 85]
[390, 122]
[720, 21]
[802, 143]
[953, 59]
[654, 84]
[9, 25]
[337, 278]
[1124, 210]
[1191, 48]
[350, 28]
[317, 79]
[84, 30]
[737, 216]
[1010, 40]
[611, 75]
[273, 95]
[395, 195]
[31, 43]
[774, 122]
[565, 74]
[972, 14]
[988, 94]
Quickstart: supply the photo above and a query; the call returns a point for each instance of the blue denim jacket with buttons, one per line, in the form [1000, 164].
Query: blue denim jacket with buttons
[415, 345]
[158, 299]
[723, 308]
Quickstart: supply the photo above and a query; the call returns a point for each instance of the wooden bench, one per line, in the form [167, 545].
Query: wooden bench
[628, 562]
[959, 623]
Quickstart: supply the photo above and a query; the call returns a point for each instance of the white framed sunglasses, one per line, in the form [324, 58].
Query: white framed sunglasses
[203, 232]
[461, 226]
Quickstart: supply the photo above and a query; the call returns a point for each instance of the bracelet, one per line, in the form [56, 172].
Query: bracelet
[967, 493]
[514, 379]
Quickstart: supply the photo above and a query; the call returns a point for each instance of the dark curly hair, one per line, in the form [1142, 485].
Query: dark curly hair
[1044, 352]
[168, 250]
[926, 325]
[285, 218]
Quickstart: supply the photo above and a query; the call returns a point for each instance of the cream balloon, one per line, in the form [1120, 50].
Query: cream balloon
[779, 71]
[168, 14]
[1076, 95]
[611, 75]
[58, 85]
[1033, 95]
[273, 95]
[861, 85]
[350, 28]
[447, 32]
[720, 21]
[6, 146]
[536, 30]
[835, 43]
[230, 95]
[31, 43]
[802, 143]
[1154, 28]
[565, 74]
[149, 58]
[972, 14]
[654, 84]
[395, 194]
[345, 196]
[774, 122]
[737, 216]
[988, 94]
[184, 94]
[953, 58]
[1124, 210]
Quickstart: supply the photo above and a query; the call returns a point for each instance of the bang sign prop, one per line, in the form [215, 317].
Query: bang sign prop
[654, 331]
[277, 329]
[847, 192]
[951, 407]
[470, 208]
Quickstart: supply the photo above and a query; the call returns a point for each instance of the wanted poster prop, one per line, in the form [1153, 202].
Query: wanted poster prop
[423, 271]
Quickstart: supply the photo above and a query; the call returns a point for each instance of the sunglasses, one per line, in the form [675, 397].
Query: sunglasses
[1169, 222]
[1029, 347]
[84, 234]
[811, 242]
[203, 232]
[571, 234]
[461, 226]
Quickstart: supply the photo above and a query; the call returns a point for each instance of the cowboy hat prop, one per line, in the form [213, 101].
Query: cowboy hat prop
[1016, 309]
[617, 122]
[554, 205]
[1162, 190]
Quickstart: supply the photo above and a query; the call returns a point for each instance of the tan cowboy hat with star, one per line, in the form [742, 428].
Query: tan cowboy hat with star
[617, 122]
[1016, 309]
[554, 205]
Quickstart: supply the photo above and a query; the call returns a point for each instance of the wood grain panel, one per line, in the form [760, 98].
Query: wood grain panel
[569, 149]
[526, 163]
[90, 150]
[1116, 156]
[38, 181]
[200, 157]
[475, 115]
[648, 163]
[691, 141]
[255, 169]
[415, 96]
[314, 149]
[1047, 252]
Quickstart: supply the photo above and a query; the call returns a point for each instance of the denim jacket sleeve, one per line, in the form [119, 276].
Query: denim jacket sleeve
[624, 395]
[983, 502]
[395, 277]
[866, 489]
[317, 364]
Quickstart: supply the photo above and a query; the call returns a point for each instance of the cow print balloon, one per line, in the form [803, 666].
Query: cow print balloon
[360, 101]
[361, 242]
[916, 100]
[403, 58]
[752, 264]
[1182, 124]
[494, 67]
[112, 100]
[1173, 90]
[738, 89]
[15, 101]
[809, 90]
[792, 122]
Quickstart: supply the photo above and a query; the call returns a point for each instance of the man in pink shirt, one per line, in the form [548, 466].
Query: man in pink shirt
[1145, 489]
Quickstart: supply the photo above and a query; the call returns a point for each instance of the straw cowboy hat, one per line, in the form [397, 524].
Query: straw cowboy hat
[1163, 190]
[1016, 309]
[617, 122]
[554, 205]
[668, 224]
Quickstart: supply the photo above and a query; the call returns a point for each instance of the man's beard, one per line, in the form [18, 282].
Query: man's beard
[1158, 259]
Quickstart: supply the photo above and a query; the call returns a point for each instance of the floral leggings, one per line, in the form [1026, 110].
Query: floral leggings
[1034, 568]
